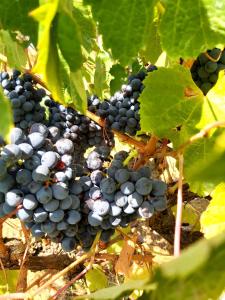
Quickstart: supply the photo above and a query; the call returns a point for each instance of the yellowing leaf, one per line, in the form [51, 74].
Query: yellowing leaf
[213, 219]
[96, 279]
[138, 271]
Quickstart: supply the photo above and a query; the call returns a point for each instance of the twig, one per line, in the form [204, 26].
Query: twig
[177, 234]
[201, 134]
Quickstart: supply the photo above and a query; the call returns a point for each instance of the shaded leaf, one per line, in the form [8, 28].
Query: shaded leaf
[68, 36]
[213, 219]
[120, 77]
[122, 24]
[16, 57]
[77, 91]
[188, 28]
[99, 76]
[14, 15]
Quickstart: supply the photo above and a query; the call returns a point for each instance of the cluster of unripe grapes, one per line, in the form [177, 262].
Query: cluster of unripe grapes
[44, 182]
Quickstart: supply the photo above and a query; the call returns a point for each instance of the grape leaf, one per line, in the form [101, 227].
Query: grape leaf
[189, 27]
[120, 77]
[6, 120]
[77, 91]
[213, 218]
[212, 163]
[16, 57]
[14, 16]
[96, 279]
[122, 24]
[166, 108]
[179, 276]
[68, 36]
[99, 75]
[9, 283]
[48, 59]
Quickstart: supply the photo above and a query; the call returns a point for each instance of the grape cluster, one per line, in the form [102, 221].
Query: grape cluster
[121, 112]
[79, 128]
[116, 195]
[25, 98]
[36, 172]
[206, 68]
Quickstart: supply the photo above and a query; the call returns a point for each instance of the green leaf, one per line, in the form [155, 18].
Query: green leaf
[122, 24]
[68, 36]
[48, 62]
[165, 109]
[6, 120]
[14, 16]
[77, 91]
[152, 45]
[213, 218]
[210, 168]
[202, 152]
[189, 27]
[86, 26]
[99, 75]
[16, 57]
[96, 279]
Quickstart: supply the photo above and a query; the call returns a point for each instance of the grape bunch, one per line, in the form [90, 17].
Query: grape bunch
[121, 112]
[206, 68]
[79, 128]
[116, 195]
[36, 171]
[25, 98]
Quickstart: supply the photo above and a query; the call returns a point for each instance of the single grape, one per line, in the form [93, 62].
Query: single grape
[32, 163]
[67, 159]
[114, 210]
[24, 215]
[95, 193]
[108, 186]
[3, 169]
[64, 146]
[143, 186]
[73, 217]
[36, 140]
[128, 209]
[11, 153]
[44, 195]
[122, 175]
[135, 199]
[158, 188]
[36, 231]
[60, 190]
[41, 128]
[17, 136]
[120, 199]
[30, 202]
[76, 188]
[51, 205]
[146, 210]
[14, 197]
[71, 231]
[68, 244]
[115, 221]
[210, 66]
[34, 187]
[159, 203]
[62, 225]
[56, 216]
[101, 207]
[23, 176]
[127, 188]
[66, 203]
[40, 215]
[40, 174]
[94, 219]
[49, 159]
[6, 183]
[48, 227]
[26, 150]
[106, 235]
[86, 183]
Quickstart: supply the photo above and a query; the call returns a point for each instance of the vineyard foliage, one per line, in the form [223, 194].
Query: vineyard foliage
[90, 47]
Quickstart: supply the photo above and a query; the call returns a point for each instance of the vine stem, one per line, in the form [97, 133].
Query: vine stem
[201, 134]
[177, 235]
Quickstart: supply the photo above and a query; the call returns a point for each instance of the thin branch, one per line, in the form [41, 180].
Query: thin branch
[201, 134]
[177, 235]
